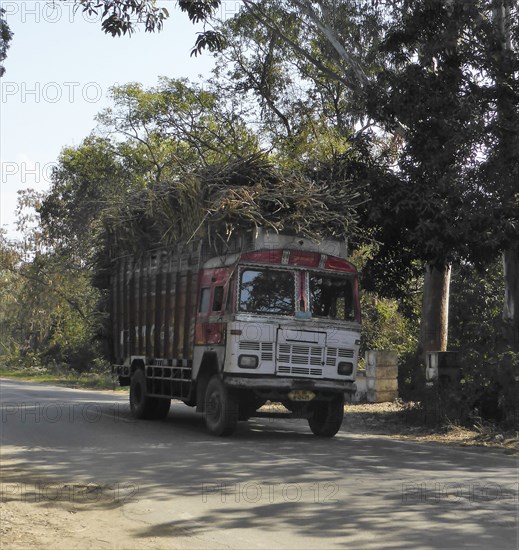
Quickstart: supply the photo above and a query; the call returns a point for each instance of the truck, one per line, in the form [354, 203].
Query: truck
[227, 327]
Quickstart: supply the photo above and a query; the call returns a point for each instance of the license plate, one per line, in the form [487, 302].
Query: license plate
[301, 395]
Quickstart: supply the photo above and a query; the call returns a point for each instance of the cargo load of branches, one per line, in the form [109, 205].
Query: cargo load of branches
[222, 201]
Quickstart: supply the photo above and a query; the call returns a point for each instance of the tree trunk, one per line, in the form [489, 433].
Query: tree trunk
[507, 117]
[511, 301]
[435, 309]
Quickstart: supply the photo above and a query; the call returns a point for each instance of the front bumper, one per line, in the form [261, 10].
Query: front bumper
[278, 384]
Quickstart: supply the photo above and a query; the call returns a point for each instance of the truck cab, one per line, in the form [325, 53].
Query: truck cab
[280, 325]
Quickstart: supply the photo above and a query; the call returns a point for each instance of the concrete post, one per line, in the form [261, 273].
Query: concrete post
[381, 376]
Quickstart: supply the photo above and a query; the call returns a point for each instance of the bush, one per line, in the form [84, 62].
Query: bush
[490, 386]
[384, 326]
[411, 376]
[487, 390]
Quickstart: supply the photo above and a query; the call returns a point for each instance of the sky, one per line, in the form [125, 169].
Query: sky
[59, 69]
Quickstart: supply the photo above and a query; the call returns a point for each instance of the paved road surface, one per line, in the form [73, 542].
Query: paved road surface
[271, 485]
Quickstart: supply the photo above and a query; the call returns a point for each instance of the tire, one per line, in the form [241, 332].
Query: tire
[327, 417]
[142, 406]
[161, 407]
[221, 409]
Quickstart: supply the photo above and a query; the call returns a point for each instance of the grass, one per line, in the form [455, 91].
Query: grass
[92, 381]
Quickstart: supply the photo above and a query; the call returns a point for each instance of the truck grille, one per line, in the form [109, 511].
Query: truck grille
[335, 355]
[299, 371]
[300, 359]
[298, 354]
[308, 360]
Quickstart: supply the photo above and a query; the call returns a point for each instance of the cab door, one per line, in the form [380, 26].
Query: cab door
[212, 299]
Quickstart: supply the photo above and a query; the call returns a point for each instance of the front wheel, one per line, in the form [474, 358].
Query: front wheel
[221, 409]
[327, 417]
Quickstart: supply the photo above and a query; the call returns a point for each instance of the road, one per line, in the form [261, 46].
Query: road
[170, 484]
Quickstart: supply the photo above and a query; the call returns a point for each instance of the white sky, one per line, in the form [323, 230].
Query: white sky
[59, 69]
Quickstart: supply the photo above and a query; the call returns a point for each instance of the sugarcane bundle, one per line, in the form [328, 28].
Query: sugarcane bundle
[221, 200]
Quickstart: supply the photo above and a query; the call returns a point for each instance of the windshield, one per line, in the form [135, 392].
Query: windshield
[267, 291]
[331, 297]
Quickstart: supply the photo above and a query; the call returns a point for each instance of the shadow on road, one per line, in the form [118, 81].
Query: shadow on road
[271, 476]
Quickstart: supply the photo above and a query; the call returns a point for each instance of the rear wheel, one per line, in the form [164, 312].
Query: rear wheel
[327, 416]
[142, 405]
[221, 409]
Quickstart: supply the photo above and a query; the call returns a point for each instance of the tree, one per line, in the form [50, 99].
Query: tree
[422, 90]
[151, 138]
[6, 36]
[504, 157]
[179, 125]
[300, 111]
[334, 78]
[438, 74]
[85, 181]
[47, 303]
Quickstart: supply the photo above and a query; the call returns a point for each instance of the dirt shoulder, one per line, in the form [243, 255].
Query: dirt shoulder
[399, 421]
[87, 381]
[43, 513]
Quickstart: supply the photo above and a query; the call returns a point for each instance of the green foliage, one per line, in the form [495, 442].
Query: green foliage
[491, 383]
[120, 17]
[384, 327]
[158, 138]
[389, 321]
[435, 182]
[47, 313]
[177, 126]
[301, 93]
[6, 36]
[490, 369]
[439, 77]
[441, 91]
[475, 307]
[85, 181]
[10, 285]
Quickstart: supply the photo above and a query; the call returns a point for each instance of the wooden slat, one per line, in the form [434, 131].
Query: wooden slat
[154, 305]
[139, 306]
[168, 347]
[188, 317]
[114, 314]
[131, 308]
[177, 315]
[159, 311]
[149, 311]
[126, 313]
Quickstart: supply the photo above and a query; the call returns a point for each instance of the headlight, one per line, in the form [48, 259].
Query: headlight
[248, 361]
[345, 369]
